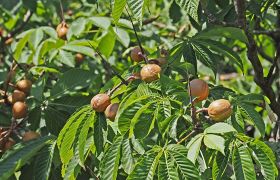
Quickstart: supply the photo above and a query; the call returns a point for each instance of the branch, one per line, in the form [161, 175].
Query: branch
[185, 138]
[138, 40]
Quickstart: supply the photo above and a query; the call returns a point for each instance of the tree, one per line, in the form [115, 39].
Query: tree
[139, 89]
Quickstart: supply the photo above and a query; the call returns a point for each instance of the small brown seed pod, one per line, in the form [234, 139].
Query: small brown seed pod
[24, 86]
[30, 135]
[62, 30]
[199, 89]
[100, 102]
[19, 110]
[111, 111]
[220, 110]
[136, 54]
[150, 72]
[18, 96]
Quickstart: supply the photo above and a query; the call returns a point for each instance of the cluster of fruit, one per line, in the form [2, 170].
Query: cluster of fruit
[219, 110]
[149, 72]
[19, 111]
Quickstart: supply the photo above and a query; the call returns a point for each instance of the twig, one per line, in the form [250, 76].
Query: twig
[186, 137]
[61, 11]
[274, 65]
[109, 65]
[151, 20]
[201, 110]
[115, 88]
[193, 110]
[138, 40]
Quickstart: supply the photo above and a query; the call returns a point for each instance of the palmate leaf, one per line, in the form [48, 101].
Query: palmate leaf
[190, 6]
[43, 162]
[265, 158]
[147, 165]
[194, 147]
[216, 142]
[138, 7]
[249, 112]
[166, 168]
[220, 164]
[128, 111]
[118, 8]
[14, 159]
[242, 164]
[110, 161]
[127, 159]
[185, 167]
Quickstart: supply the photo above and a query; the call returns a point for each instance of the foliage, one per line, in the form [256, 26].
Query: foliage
[155, 134]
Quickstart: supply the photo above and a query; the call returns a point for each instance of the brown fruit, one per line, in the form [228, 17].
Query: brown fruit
[100, 102]
[10, 99]
[79, 58]
[111, 111]
[30, 135]
[150, 72]
[18, 96]
[10, 142]
[219, 110]
[199, 89]
[24, 85]
[136, 54]
[62, 30]
[9, 41]
[19, 110]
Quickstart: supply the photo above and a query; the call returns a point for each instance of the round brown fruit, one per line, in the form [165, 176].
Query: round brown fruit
[10, 142]
[111, 111]
[62, 30]
[19, 110]
[150, 72]
[30, 135]
[18, 96]
[199, 89]
[219, 110]
[24, 85]
[100, 102]
[79, 58]
[136, 54]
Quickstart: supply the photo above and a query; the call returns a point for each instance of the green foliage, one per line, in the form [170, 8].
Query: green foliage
[157, 133]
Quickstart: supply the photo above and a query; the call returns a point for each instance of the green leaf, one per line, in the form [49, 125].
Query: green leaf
[167, 168]
[43, 162]
[194, 147]
[66, 58]
[265, 158]
[110, 161]
[127, 160]
[127, 112]
[220, 164]
[138, 8]
[218, 31]
[252, 115]
[99, 127]
[72, 80]
[21, 44]
[190, 7]
[14, 159]
[122, 36]
[242, 164]
[185, 167]
[213, 141]
[80, 47]
[76, 28]
[219, 128]
[35, 38]
[147, 165]
[118, 8]
[107, 43]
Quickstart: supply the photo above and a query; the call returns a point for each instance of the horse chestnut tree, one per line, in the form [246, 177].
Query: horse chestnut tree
[175, 89]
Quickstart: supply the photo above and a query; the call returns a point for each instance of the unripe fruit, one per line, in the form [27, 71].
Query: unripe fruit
[150, 72]
[18, 96]
[79, 58]
[100, 102]
[30, 135]
[219, 110]
[62, 30]
[136, 54]
[111, 111]
[19, 110]
[199, 89]
[24, 86]
[10, 142]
